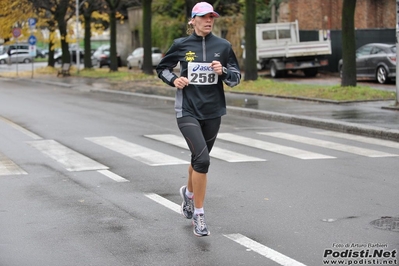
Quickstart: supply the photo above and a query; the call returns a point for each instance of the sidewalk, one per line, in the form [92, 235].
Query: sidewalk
[374, 119]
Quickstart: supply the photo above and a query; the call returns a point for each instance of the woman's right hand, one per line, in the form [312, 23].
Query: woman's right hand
[181, 82]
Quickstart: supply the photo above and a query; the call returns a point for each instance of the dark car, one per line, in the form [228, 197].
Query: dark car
[40, 53]
[101, 57]
[376, 61]
[73, 54]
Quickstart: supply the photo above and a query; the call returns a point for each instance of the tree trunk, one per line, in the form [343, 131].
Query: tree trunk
[87, 41]
[147, 40]
[189, 6]
[348, 44]
[62, 27]
[250, 64]
[52, 29]
[112, 26]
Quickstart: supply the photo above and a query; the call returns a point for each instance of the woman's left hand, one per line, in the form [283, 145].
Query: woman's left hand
[217, 67]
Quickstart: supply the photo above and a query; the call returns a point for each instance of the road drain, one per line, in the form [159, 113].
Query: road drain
[387, 223]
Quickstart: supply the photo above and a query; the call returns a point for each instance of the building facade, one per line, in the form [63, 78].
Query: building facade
[327, 14]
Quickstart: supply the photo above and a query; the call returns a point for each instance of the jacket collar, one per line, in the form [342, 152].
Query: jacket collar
[200, 37]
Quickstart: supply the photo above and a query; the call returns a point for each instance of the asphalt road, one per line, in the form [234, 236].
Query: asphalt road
[92, 178]
[18, 68]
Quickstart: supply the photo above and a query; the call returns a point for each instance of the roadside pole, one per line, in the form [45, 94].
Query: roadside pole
[397, 52]
[16, 60]
[16, 32]
[32, 41]
[77, 36]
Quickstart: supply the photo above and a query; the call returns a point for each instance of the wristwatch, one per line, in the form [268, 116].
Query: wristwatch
[224, 70]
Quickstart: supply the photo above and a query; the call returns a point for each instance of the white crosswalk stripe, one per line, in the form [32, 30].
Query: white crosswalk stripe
[74, 161]
[219, 153]
[381, 142]
[8, 167]
[328, 144]
[137, 152]
[267, 146]
[71, 160]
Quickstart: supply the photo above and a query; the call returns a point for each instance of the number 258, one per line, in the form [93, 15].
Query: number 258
[203, 78]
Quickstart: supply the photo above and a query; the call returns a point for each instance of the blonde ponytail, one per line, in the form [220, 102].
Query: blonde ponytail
[190, 27]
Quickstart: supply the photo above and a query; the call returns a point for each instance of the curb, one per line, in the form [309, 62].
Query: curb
[344, 127]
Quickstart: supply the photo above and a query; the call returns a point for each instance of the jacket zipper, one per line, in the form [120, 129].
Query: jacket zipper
[203, 49]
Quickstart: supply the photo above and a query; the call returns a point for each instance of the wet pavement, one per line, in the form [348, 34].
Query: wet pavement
[378, 119]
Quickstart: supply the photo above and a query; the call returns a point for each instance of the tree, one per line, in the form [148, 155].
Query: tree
[52, 27]
[348, 44]
[251, 71]
[189, 6]
[113, 6]
[147, 40]
[14, 14]
[87, 9]
[61, 11]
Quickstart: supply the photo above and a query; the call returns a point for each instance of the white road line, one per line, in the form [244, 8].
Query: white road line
[329, 144]
[165, 202]
[381, 142]
[218, 153]
[71, 160]
[8, 167]
[267, 146]
[113, 176]
[137, 152]
[263, 250]
[21, 129]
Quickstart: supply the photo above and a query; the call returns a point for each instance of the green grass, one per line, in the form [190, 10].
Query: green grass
[262, 86]
[270, 87]
[122, 75]
[39, 59]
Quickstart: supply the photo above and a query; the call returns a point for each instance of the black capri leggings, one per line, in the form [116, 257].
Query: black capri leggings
[200, 136]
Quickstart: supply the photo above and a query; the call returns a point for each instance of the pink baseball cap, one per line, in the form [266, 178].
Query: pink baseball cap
[203, 8]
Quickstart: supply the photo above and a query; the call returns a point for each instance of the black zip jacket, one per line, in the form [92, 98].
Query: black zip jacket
[200, 99]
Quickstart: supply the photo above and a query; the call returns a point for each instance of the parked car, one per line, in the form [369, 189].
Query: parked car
[19, 46]
[376, 61]
[45, 52]
[4, 57]
[20, 56]
[136, 58]
[40, 53]
[101, 57]
[72, 53]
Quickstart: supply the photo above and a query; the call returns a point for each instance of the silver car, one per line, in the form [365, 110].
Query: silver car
[376, 61]
[136, 58]
[20, 56]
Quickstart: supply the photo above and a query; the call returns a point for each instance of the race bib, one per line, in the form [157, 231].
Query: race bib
[201, 74]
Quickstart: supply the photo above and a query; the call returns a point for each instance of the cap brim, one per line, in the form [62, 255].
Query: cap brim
[216, 15]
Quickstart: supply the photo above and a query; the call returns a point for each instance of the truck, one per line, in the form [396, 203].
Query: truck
[280, 50]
